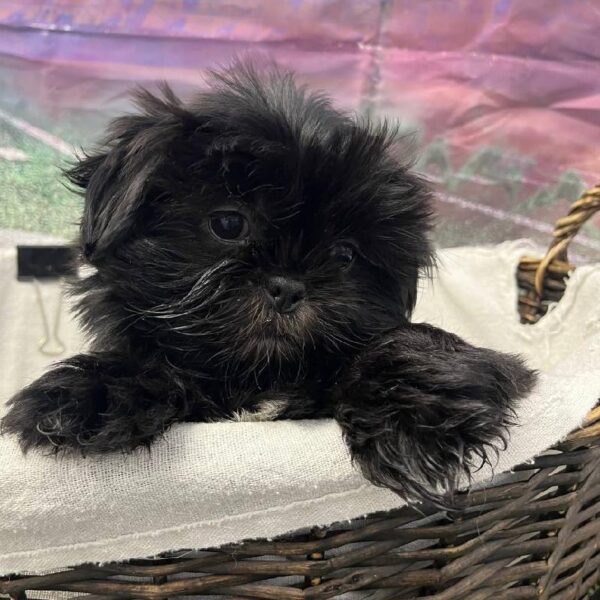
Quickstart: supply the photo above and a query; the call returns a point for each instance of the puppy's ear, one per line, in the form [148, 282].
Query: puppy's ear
[118, 178]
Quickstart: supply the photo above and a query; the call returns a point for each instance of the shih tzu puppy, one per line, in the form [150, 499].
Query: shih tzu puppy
[256, 253]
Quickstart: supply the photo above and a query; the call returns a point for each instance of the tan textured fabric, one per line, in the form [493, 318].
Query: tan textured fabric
[209, 484]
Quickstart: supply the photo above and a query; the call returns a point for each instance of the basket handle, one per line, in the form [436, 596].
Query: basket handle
[565, 230]
[547, 283]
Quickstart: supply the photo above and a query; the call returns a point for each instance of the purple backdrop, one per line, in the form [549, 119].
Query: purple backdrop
[504, 94]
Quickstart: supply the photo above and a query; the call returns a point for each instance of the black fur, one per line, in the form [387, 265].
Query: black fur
[181, 325]
[420, 408]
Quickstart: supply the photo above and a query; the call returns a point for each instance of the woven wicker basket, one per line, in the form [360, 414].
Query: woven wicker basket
[535, 535]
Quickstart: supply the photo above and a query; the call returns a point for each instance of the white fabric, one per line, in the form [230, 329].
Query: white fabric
[210, 484]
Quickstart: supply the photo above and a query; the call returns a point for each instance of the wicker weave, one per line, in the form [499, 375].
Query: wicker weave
[535, 535]
[542, 281]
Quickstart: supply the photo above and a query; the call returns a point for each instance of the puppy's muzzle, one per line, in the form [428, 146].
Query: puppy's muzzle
[285, 294]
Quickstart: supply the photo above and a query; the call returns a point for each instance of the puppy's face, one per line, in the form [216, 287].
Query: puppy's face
[255, 226]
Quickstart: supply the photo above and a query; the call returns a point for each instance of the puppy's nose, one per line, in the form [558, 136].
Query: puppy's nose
[285, 294]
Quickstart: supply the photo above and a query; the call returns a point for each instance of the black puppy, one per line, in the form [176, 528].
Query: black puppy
[256, 254]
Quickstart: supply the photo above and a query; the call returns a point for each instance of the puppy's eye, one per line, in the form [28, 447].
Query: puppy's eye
[343, 254]
[229, 226]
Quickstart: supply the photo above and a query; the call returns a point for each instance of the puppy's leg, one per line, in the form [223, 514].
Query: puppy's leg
[94, 403]
[421, 407]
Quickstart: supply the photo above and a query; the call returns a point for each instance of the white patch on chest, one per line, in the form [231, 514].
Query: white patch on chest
[267, 410]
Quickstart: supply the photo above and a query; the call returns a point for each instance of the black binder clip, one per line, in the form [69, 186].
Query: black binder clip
[47, 263]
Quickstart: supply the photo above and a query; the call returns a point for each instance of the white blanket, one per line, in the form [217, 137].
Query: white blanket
[210, 484]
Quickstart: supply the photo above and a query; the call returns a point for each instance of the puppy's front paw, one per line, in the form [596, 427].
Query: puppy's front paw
[421, 408]
[86, 404]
